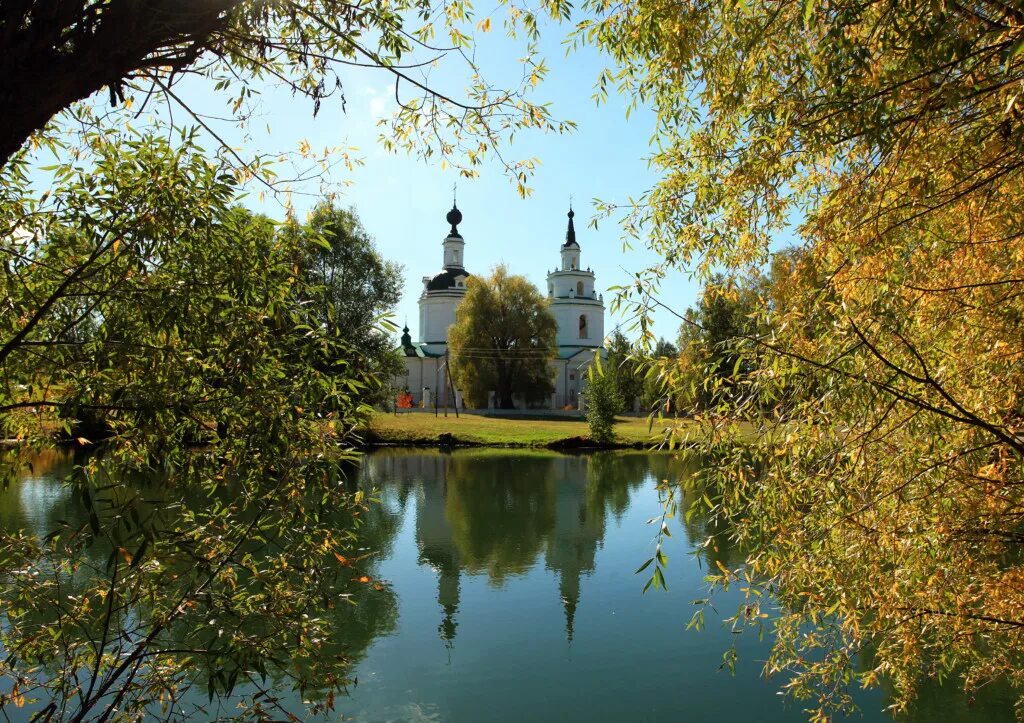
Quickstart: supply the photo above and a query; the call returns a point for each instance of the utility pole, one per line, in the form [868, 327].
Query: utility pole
[451, 385]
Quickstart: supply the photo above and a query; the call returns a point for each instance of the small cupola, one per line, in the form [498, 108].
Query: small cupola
[454, 217]
[454, 245]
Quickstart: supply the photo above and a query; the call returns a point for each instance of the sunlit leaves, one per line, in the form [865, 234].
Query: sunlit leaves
[864, 436]
[502, 341]
[174, 327]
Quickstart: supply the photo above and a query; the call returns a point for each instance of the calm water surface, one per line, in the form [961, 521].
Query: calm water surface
[511, 596]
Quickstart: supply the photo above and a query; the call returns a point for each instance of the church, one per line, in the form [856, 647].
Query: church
[575, 303]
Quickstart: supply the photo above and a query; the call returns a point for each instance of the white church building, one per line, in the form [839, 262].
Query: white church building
[575, 303]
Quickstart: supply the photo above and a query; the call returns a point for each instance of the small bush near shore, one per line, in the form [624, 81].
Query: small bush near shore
[603, 402]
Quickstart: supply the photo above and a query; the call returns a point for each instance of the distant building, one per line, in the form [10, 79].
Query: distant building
[577, 306]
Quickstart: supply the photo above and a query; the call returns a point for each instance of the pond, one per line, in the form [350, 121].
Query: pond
[509, 594]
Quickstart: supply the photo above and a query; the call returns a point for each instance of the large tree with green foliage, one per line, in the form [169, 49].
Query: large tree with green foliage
[710, 336]
[623, 368]
[354, 289]
[182, 321]
[138, 298]
[503, 340]
[882, 509]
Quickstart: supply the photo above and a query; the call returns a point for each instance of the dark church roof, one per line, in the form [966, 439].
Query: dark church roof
[570, 233]
[446, 279]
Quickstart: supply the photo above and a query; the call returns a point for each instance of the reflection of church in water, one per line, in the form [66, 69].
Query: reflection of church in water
[457, 534]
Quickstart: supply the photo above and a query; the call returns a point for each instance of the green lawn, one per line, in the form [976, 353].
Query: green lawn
[419, 428]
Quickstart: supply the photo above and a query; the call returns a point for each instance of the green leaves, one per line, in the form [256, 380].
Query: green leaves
[808, 6]
[152, 315]
[603, 400]
[503, 340]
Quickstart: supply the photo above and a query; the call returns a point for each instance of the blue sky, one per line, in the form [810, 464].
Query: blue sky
[402, 201]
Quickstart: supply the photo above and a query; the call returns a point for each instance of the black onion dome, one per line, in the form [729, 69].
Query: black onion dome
[570, 232]
[446, 279]
[454, 217]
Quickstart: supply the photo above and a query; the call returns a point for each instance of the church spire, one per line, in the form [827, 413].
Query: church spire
[448, 597]
[570, 231]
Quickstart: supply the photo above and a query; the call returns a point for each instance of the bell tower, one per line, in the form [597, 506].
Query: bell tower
[577, 307]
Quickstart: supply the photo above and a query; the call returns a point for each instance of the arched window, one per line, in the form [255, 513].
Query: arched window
[455, 256]
[583, 326]
[579, 288]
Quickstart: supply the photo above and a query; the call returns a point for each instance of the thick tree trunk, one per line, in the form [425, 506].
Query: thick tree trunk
[505, 390]
[57, 53]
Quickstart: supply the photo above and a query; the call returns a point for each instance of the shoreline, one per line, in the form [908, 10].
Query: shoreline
[471, 431]
[448, 441]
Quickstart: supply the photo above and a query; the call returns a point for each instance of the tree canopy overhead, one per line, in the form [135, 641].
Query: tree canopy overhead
[59, 54]
[765, 109]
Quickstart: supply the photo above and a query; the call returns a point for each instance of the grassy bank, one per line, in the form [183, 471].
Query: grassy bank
[416, 428]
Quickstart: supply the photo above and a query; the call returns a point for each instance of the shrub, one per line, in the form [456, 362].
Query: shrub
[603, 402]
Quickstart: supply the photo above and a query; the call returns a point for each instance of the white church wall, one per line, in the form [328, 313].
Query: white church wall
[420, 373]
[567, 316]
[454, 251]
[570, 259]
[437, 313]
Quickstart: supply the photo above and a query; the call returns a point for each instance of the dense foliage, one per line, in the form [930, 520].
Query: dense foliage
[880, 497]
[627, 373]
[633, 374]
[139, 52]
[143, 306]
[503, 341]
[711, 363]
[355, 289]
[603, 402]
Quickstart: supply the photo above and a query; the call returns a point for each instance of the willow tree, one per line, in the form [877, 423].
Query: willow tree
[136, 296]
[881, 504]
[503, 341]
[186, 563]
[139, 52]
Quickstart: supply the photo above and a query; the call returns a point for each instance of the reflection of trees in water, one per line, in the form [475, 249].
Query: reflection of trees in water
[29, 499]
[356, 607]
[614, 475]
[712, 537]
[498, 513]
